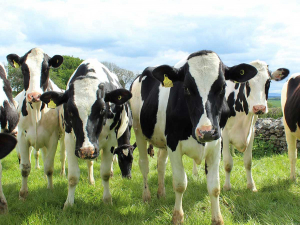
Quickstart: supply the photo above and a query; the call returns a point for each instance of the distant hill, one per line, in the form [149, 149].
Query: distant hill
[274, 94]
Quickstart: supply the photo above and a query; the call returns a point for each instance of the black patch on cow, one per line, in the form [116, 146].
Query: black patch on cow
[149, 93]
[24, 110]
[43, 106]
[231, 102]
[117, 110]
[292, 106]
[82, 70]
[236, 86]
[206, 170]
[267, 87]
[248, 89]
[67, 120]
[45, 73]
[241, 104]
[199, 53]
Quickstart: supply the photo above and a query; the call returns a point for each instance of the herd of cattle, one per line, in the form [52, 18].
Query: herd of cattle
[193, 108]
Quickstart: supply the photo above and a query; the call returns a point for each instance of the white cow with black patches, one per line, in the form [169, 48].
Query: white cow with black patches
[8, 121]
[183, 118]
[38, 125]
[94, 118]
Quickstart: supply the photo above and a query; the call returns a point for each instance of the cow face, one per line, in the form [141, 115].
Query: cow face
[203, 77]
[35, 66]
[85, 111]
[257, 89]
[125, 158]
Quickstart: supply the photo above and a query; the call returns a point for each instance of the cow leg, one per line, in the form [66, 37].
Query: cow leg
[248, 164]
[105, 172]
[179, 184]
[292, 151]
[212, 163]
[62, 156]
[143, 163]
[36, 154]
[3, 202]
[25, 166]
[90, 167]
[228, 162]
[162, 159]
[73, 169]
[195, 169]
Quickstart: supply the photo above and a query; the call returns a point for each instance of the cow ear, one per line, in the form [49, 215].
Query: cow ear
[240, 73]
[167, 75]
[14, 60]
[54, 99]
[7, 144]
[280, 74]
[118, 96]
[56, 61]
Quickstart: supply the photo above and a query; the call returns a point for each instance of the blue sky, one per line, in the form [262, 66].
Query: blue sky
[137, 34]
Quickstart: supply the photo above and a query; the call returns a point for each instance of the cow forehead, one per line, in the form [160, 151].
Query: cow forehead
[262, 75]
[205, 70]
[34, 61]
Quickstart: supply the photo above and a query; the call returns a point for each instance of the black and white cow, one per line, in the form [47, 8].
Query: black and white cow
[8, 120]
[185, 117]
[38, 125]
[246, 101]
[94, 116]
[290, 103]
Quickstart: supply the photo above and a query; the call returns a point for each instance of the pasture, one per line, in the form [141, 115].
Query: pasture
[276, 202]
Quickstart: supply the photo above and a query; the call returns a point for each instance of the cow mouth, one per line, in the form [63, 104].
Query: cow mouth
[260, 112]
[208, 136]
[86, 154]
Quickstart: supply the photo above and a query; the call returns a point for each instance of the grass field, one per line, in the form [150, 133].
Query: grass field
[274, 102]
[276, 202]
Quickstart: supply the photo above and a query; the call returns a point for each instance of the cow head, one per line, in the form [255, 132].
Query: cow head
[85, 111]
[7, 144]
[35, 66]
[203, 77]
[125, 158]
[257, 89]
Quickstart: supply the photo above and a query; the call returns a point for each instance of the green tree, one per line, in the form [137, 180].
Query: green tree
[15, 77]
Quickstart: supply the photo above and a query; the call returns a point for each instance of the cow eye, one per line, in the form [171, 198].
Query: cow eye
[187, 91]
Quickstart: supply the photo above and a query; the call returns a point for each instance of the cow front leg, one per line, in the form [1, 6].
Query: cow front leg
[36, 154]
[73, 169]
[3, 202]
[105, 172]
[212, 163]
[248, 164]
[62, 156]
[228, 162]
[292, 152]
[143, 164]
[162, 159]
[25, 167]
[90, 167]
[179, 184]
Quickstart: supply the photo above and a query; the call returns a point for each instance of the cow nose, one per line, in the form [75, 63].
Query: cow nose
[259, 109]
[204, 129]
[34, 97]
[86, 152]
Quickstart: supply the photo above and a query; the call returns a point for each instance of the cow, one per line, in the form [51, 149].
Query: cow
[94, 117]
[183, 118]
[290, 98]
[246, 101]
[38, 125]
[8, 121]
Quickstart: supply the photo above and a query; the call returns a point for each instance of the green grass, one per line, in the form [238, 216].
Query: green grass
[274, 103]
[276, 202]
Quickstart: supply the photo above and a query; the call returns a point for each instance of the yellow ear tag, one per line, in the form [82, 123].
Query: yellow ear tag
[167, 82]
[120, 97]
[242, 72]
[57, 61]
[16, 64]
[51, 104]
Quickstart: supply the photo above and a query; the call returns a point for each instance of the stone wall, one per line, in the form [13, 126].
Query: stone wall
[272, 132]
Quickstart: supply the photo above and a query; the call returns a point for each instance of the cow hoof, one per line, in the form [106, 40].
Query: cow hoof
[178, 217]
[23, 195]
[3, 206]
[217, 222]
[63, 173]
[67, 205]
[92, 182]
[107, 200]
[252, 188]
[111, 173]
[227, 188]
[293, 178]
[161, 193]
[146, 196]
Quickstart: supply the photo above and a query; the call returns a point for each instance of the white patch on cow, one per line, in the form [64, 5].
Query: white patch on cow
[125, 152]
[85, 95]
[34, 62]
[205, 70]
[181, 62]
[124, 123]
[3, 96]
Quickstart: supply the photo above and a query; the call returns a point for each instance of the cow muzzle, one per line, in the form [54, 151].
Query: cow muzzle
[259, 109]
[206, 134]
[87, 153]
[34, 97]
